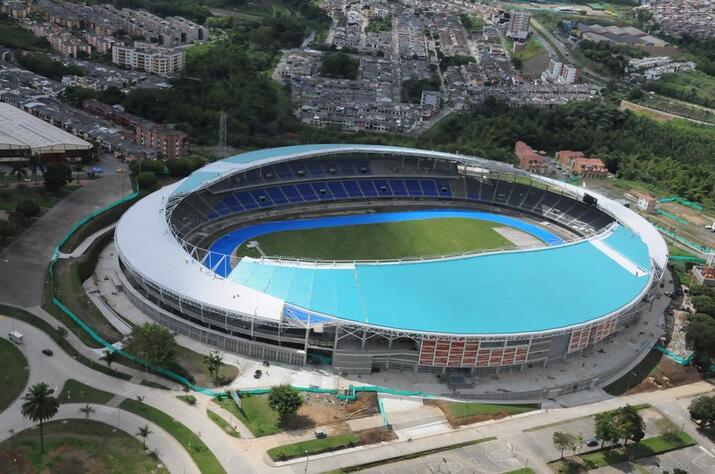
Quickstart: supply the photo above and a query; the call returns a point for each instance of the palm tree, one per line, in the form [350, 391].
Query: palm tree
[87, 410]
[40, 405]
[109, 357]
[144, 432]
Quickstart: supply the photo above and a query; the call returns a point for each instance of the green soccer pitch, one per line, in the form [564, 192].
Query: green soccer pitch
[382, 241]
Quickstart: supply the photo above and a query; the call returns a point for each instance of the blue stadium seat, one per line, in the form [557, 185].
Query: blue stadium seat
[429, 188]
[398, 187]
[322, 191]
[291, 193]
[367, 188]
[336, 187]
[307, 192]
[383, 188]
[444, 188]
[277, 195]
[353, 189]
[413, 187]
[261, 197]
[246, 200]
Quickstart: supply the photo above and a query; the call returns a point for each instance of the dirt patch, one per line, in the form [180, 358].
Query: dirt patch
[533, 67]
[375, 435]
[71, 460]
[666, 374]
[684, 212]
[456, 421]
[321, 409]
[15, 461]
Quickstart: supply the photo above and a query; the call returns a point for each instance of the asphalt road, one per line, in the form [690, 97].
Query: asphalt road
[23, 263]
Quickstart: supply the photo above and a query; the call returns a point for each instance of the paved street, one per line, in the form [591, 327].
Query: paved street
[23, 263]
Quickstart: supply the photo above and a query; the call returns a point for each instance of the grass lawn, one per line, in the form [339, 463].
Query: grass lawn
[68, 277]
[77, 392]
[13, 373]
[384, 240]
[223, 424]
[199, 452]
[523, 470]
[460, 410]
[691, 86]
[532, 49]
[647, 447]
[313, 446]
[10, 196]
[256, 414]
[77, 446]
[194, 364]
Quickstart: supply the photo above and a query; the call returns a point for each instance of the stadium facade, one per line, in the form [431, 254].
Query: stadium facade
[481, 312]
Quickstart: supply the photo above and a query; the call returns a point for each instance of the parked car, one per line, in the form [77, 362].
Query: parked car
[592, 442]
[257, 374]
[320, 435]
[47, 352]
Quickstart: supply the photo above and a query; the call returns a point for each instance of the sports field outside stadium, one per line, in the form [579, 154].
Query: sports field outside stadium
[387, 240]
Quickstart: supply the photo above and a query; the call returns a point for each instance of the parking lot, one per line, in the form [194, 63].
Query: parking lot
[492, 457]
[693, 460]
[539, 441]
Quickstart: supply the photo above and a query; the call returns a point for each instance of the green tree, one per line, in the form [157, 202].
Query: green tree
[27, 209]
[144, 432]
[76, 95]
[339, 65]
[146, 180]
[109, 357]
[153, 343]
[87, 410]
[111, 95]
[702, 410]
[56, 176]
[704, 304]
[629, 424]
[285, 399]
[606, 432]
[214, 362]
[39, 406]
[563, 441]
[700, 335]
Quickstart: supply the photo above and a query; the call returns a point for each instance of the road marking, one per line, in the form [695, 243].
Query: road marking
[702, 448]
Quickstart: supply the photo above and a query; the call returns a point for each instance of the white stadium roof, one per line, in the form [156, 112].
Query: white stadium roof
[20, 130]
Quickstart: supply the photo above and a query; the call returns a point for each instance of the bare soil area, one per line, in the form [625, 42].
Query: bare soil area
[666, 374]
[321, 409]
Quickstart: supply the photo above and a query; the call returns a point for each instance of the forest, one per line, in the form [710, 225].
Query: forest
[675, 157]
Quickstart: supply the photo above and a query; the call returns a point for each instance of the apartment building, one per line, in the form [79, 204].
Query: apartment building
[560, 73]
[163, 62]
[518, 27]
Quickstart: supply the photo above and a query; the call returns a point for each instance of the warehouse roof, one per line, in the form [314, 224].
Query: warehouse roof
[20, 130]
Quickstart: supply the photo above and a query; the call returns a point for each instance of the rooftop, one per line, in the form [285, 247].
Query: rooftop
[19, 129]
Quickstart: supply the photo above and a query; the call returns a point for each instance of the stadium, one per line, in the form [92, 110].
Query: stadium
[383, 258]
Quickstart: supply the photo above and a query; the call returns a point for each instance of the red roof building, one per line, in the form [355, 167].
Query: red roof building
[567, 157]
[529, 160]
[589, 168]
